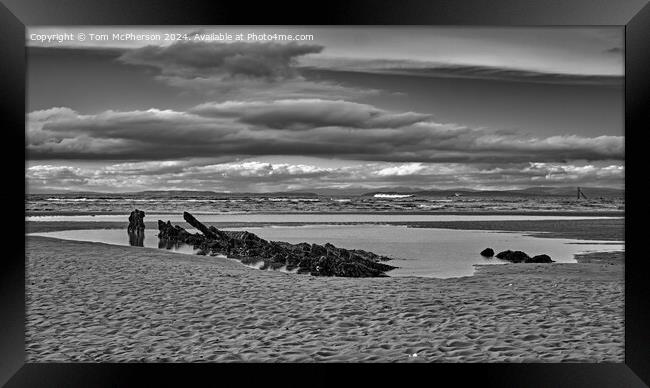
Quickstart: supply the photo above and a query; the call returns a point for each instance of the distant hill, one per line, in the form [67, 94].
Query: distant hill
[572, 191]
[212, 194]
[175, 193]
[180, 194]
[355, 191]
[590, 192]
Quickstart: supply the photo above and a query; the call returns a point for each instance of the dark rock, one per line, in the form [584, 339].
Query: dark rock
[521, 257]
[513, 256]
[136, 221]
[487, 252]
[540, 259]
[249, 248]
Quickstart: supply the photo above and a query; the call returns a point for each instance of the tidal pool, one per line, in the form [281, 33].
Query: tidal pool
[422, 252]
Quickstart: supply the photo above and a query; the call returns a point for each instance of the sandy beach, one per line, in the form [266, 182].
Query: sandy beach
[92, 302]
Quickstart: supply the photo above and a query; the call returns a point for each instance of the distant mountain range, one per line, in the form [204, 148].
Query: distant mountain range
[190, 193]
[594, 192]
[590, 192]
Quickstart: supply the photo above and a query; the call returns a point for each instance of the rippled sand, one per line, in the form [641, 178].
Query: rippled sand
[94, 302]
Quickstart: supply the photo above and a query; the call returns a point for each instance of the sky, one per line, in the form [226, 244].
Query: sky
[350, 107]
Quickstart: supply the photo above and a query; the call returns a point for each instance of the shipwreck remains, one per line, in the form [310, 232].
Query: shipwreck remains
[317, 260]
[136, 221]
[136, 228]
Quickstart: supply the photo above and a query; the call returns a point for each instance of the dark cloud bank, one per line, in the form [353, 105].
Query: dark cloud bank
[307, 127]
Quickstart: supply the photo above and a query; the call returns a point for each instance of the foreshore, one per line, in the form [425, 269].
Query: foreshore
[586, 213]
[604, 229]
[97, 302]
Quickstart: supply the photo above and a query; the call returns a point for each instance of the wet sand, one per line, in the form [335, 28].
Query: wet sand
[89, 302]
[586, 213]
[586, 229]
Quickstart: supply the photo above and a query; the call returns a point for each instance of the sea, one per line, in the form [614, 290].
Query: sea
[310, 203]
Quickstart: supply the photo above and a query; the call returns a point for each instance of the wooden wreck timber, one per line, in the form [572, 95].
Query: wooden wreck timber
[136, 221]
[136, 228]
[317, 260]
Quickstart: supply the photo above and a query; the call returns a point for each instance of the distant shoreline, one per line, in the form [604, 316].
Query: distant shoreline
[612, 229]
[598, 213]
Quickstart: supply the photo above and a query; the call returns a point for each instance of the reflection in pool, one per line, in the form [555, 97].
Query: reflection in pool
[426, 252]
[136, 239]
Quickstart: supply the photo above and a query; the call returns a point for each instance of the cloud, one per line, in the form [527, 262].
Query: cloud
[554, 172]
[335, 129]
[62, 133]
[402, 170]
[59, 175]
[238, 70]
[248, 89]
[300, 114]
[222, 60]
[177, 173]
[253, 175]
[414, 68]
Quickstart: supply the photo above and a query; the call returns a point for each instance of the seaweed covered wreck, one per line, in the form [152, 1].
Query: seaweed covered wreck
[317, 260]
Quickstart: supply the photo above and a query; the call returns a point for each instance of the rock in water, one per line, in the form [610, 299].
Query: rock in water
[513, 256]
[540, 259]
[521, 257]
[318, 260]
[487, 252]
[136, 221]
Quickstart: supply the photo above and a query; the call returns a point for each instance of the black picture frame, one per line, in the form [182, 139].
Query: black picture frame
[15, 15]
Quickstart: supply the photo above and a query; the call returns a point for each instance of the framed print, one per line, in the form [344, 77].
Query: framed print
[229, 189]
